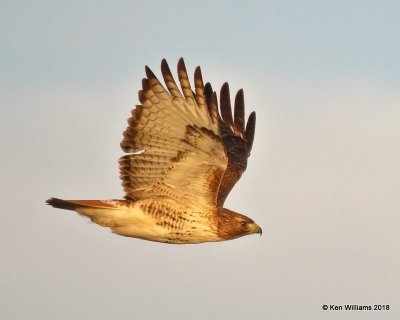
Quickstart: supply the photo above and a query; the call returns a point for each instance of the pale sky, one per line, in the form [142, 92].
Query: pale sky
[323, 180]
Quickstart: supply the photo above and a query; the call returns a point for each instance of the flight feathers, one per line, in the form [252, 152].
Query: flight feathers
[75, 204]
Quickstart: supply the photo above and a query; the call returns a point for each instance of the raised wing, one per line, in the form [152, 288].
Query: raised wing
[237, 139]
[173, 138]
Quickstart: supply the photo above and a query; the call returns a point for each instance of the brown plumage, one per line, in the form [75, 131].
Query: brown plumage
[183, 158]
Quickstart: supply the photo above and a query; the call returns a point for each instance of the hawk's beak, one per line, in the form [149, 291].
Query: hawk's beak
[257, 229]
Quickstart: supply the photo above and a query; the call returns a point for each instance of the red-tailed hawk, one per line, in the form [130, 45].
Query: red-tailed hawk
[183, 158]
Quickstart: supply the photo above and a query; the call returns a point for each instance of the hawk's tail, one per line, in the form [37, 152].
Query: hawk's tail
[77, 204]
[104, 213]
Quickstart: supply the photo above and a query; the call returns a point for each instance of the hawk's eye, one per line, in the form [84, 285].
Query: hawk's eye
[243, 223]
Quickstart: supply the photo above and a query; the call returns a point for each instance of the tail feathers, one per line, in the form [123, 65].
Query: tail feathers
[75, 204]
[105, 213]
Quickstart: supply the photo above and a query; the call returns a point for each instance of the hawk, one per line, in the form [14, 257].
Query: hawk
[183, 158]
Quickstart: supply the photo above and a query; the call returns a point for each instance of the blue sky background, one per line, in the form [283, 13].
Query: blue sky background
[323, 179]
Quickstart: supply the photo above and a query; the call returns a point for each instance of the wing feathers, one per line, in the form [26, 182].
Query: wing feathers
[208, 91]
[250, 130]
[199, 89]
[213, 108]
[239, 111]
[182, 147]
[225, 105]
[184, 81]
[169, 80]
[237, 139]
[183, 134]
[156, 86]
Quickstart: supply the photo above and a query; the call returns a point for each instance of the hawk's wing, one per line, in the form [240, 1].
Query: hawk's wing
[184, 157]
[237, 139]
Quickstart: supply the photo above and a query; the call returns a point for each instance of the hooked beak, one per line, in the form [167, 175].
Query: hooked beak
[257, 229]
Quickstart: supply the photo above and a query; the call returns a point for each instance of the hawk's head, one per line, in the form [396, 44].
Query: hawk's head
[233, 225]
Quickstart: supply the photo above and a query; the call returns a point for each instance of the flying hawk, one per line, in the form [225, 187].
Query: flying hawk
[183, 158]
